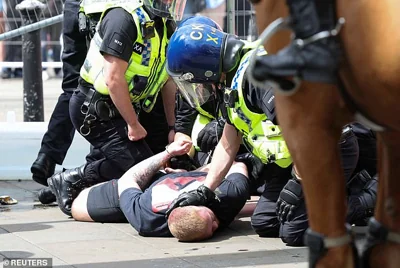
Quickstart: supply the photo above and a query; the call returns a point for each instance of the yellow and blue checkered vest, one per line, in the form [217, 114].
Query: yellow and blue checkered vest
[260, 135]
[150, 64]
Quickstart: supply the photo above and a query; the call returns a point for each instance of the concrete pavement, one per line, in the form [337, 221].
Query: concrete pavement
[31, 230]
[11, 94]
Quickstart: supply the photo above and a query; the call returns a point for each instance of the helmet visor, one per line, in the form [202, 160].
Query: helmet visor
[196, 94]
[170, 9]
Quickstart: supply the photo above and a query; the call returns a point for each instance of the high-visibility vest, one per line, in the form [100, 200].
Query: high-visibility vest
[146, 62]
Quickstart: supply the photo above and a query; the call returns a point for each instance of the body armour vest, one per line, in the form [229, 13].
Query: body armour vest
[146, 72]
[260, 135]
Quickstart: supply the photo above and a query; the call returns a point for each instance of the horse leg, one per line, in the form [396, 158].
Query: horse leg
[387, 211]
[311, 122]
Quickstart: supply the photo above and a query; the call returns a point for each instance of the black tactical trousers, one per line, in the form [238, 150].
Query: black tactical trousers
[265, 221]
[58, 138]
[110, 138]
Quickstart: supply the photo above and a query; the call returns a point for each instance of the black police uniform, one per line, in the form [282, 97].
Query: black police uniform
[264, 219]
[58, 138]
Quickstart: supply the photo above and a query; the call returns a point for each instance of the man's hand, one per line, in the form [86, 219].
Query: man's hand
[136, 132]
[289, 199]
[202, 196]
[179, 147]
[209, 136]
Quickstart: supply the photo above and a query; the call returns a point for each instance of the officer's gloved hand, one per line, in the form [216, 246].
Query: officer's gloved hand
[209, 136]
[183, 162]
[361, 202]
[289, 199]
[202, 196]
[253, 164]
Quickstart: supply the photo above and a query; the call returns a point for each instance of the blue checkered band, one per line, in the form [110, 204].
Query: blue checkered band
[243, 118]
[235, 81]
[146, 42]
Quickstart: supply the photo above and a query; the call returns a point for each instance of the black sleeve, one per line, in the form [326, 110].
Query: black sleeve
[118, 32]
[185, 116]
[129, 203]
[260, 100]
[233, 193]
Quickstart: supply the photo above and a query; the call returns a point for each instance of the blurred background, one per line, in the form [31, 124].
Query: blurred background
[234, 16]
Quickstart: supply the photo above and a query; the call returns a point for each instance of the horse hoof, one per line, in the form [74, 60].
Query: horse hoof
[382, 248]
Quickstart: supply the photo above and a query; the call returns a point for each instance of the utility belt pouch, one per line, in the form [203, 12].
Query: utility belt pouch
[139, 84]
[105, 109]
[99, 105]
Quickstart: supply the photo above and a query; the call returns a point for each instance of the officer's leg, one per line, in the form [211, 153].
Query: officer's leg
[367, 144]
[156, 126]
[264, 220]
[292, 230]
[111, 138]
[58, 138]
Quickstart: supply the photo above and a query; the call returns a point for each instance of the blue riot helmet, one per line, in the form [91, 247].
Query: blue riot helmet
[197, 55]
[170, 9]
[198, 19]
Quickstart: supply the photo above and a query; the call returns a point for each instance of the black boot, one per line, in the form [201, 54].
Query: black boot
[46, 196]
[310, 56]
[66, 186]
[42, 169]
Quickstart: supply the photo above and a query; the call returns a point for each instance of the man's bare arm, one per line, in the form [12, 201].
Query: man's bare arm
[141, 174]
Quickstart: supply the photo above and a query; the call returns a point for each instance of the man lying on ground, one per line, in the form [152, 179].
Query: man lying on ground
[130, 198]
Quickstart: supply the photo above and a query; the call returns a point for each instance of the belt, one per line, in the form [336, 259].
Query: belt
[88, 91]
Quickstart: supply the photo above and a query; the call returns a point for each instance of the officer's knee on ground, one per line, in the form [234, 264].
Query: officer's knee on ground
[292, 233]
[79, 207]
[293, 239]
[265, 227]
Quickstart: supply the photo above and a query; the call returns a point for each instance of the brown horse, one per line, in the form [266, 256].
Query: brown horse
[312, 118]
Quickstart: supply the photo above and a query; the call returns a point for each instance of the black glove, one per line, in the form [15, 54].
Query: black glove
[209, 136]
[361, 203]
[253, 164]
[289, 199]
[183, 162]
[202, 196]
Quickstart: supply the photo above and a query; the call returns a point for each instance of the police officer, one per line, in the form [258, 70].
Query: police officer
[58, 138]
[221, 57]
[123, 71]
[246, 112]
[191, 122]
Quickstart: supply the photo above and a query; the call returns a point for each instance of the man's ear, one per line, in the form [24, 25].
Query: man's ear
[232, 53]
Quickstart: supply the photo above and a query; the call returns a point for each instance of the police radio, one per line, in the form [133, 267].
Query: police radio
[83, 23]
